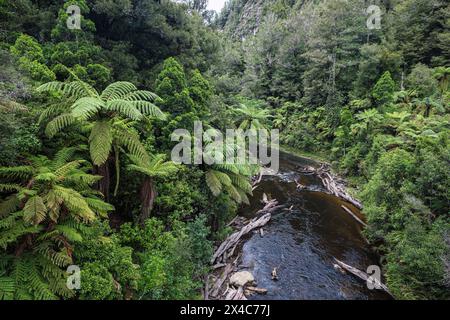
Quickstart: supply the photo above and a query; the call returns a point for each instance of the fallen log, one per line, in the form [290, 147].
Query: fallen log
[362, 275]
[257, 290]
[332, 183]
[228, 246]
[353, 215]
[215, 290]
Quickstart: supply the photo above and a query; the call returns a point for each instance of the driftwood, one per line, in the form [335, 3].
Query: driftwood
[362, 275]
[235, 294]
[257, 290]
[220, 289]
[216, 288]
[226, 249]
[332, 183]
[353, 215]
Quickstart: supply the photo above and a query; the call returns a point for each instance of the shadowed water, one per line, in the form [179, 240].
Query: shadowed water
[302, 242]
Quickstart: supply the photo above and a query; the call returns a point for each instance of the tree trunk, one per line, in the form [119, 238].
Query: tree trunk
[148, 195]
[104, 183]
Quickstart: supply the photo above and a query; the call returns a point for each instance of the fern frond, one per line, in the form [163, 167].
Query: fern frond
[60, 122]
[100, 142]
[34, 210]
[7, 288]
[213, 183]
[125, 108]
[86, 107]
[117, 90]
[8, 206]
[100, 207]
[233, 193]
[131, 141]
[51, 112]
[141, 95]
[241, 182]
[149, 109]
[62, 156]
[75, 202]
[8, 187]
[62, 171]
[19, 172]
[74, 89]
[70, 233]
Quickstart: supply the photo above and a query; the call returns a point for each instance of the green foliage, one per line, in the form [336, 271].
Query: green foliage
[30, 58]
[383, 91]
[50, 211]
[169, 260]
[415, 269]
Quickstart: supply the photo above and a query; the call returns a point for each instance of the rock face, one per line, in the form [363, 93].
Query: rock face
[244, 17]
[240, 279]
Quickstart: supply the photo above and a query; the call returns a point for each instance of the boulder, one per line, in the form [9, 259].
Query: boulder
[240, 279]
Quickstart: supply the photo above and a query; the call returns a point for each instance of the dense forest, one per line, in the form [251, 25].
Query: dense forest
[86, 117]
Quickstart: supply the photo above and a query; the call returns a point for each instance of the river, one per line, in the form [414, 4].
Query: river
[302, 242]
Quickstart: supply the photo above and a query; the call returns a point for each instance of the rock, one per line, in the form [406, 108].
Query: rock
[240, 279]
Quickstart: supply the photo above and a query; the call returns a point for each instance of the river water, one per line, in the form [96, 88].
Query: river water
[302, 242]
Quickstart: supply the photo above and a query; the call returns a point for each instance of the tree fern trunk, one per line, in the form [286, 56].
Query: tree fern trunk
[104, 184]
[148, 195]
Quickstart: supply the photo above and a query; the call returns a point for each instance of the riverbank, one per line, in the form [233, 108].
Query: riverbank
[307, 233]
[352, 184]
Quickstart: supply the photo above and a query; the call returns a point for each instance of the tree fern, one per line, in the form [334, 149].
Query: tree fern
[103, 115]
[34, 228]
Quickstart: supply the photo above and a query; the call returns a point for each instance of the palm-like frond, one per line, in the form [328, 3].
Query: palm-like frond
[118, 90]
[100, 142]
[75, 89]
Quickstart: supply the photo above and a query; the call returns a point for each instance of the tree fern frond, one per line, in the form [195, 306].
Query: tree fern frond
[141, 95]
[100, 207]
[241, 182]
[62, 156]
[19, 172]
[14, 233]
[63, 170]
[82, 179]
[86, 107]
[222, 177]
[60, 122]
[117, 90]
[74, 89]
[233, 193]
[243, 195]
[8, 187]
[51, 112]
[70, 233]
[75, 202]
[125, 108]
[149, 109]
[131, 141]
[8, 206]
[7, 288]
[213, 183]
[100, 142]
[34, 210]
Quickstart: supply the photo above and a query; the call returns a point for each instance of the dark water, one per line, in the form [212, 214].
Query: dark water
[302, 242]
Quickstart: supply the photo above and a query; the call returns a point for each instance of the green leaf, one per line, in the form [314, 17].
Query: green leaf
[100, 142]
[34, 210]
